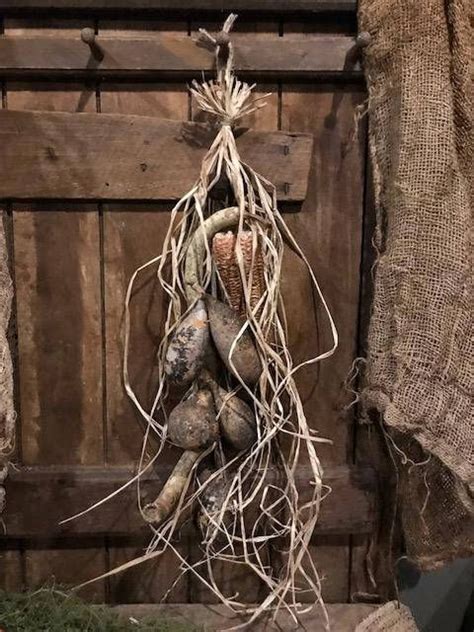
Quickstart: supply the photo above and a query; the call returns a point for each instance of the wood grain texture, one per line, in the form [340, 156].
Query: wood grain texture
[329, 232]
[57, 284]
[131, 237]
[159, 159]
[53, 97]
[24, 24]
[328, 229]
[64, 490]
[59, 326]
[57, 273]
[142, 56]
[343, 617]
[274, 6]
[11, 565]
[134, 233]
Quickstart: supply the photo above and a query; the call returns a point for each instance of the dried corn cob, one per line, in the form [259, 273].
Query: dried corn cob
[225, 259]
[223, 254]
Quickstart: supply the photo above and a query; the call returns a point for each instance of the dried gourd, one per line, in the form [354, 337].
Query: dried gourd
[161, 508]
[212, 499]
[236, 419]
[226, 326]
[188, 346]
[192, 424]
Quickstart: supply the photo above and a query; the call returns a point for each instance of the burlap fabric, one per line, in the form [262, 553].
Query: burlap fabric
[391, 617]
[420, 371]
[7, 413]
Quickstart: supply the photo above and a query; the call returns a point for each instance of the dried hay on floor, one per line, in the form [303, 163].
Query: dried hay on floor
[51, 610]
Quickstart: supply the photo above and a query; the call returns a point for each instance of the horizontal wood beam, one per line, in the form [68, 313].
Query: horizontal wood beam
[40, 497]
[58, 155]
[55, 57]
[273, 6]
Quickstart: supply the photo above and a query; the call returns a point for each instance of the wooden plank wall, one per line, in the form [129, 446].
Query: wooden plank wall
[72, 264]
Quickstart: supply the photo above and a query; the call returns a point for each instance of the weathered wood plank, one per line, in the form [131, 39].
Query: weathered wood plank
[61, 491]
[55, 97]
[343, 617]
[111, 156]
[11, 565]
[57, 288]
[122, 57]
[59, 328]
[134, 233]
[328, 229]
[274, 6]
[57, 274]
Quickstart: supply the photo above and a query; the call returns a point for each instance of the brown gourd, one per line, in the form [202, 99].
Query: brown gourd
[188, 346]
[225, 325]
[236, 419]
[192, 424]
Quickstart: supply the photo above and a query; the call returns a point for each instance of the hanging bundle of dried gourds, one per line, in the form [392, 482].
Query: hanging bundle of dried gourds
[225, 340]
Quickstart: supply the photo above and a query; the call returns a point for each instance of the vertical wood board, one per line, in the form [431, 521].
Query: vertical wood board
[59, 327]
[133, 234]
[328, 231]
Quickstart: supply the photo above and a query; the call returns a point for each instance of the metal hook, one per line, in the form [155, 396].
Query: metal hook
[89, 38]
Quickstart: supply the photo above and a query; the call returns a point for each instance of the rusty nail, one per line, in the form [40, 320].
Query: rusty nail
[286, 149]
[286, 188]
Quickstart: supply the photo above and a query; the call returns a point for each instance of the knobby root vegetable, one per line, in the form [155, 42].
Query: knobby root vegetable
[188, 346]
[161, 508]
[226, 325]
[192, 424]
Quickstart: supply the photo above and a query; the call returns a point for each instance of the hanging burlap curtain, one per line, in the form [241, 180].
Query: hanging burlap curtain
[420, 372]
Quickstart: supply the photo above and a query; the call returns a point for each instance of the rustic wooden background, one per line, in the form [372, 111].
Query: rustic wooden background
[71, 262]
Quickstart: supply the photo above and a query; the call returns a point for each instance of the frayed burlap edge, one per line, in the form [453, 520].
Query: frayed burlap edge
[391, 617]
[396, 28]
[429, 442]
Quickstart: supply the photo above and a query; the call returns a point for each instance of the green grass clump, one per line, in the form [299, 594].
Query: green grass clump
[49, 610]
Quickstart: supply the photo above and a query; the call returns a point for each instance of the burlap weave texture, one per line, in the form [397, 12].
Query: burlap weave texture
[420, 372]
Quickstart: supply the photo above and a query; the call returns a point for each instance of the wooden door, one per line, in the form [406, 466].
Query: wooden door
[78, 435]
